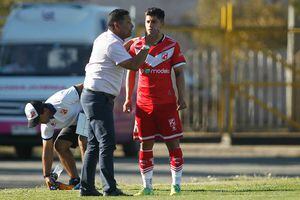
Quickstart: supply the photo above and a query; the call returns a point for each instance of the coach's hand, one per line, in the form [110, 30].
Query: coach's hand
[127, 106]
[181, 104]
[50, 182]
[128, 44]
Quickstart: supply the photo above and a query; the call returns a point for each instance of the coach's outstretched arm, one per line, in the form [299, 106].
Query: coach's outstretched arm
[135, 62]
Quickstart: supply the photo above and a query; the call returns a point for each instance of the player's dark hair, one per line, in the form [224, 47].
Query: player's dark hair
[38, 106]
[156, 12]
[116, 15]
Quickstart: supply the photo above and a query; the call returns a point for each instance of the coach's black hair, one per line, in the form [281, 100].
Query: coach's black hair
[116, 15]
[157, 12]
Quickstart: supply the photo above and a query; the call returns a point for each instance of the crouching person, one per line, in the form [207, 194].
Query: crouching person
[60, 111]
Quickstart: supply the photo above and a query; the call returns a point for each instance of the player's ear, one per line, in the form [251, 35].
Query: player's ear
[116, 25]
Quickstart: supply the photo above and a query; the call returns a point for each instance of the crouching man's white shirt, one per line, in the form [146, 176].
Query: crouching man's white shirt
[67, 105]
[102, 72]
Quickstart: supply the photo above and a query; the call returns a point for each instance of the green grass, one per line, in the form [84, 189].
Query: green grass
[213, 188]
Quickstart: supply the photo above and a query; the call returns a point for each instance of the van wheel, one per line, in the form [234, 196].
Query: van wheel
[131, 149]
[23, 151]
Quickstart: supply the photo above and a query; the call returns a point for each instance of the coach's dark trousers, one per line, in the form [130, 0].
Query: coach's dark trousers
[98, 108]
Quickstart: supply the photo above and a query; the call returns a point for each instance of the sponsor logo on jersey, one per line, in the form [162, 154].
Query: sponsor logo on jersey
[147, 71]
[155, 71]
[172, 124]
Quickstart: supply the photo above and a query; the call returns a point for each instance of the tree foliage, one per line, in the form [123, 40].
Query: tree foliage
[245, 12]
[259, 24]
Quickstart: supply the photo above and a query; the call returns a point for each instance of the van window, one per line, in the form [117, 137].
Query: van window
[43, 59]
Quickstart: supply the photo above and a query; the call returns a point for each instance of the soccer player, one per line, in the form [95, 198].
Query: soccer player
[60, 111]
[157, 106]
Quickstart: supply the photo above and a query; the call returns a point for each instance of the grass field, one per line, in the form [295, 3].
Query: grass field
[213, 188]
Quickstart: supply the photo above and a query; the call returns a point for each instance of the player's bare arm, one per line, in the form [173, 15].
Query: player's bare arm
[130, 83]
[180, 84]
[47, 159]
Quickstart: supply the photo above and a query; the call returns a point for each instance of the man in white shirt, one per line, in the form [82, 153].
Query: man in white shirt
[104, 74]
[60, 111]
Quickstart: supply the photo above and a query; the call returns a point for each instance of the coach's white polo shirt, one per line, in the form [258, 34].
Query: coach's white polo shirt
[102, 72]
[67, 105]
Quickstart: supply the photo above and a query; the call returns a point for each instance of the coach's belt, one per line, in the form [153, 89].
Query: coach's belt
[102, 93]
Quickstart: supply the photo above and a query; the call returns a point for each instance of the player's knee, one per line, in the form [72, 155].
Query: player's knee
[147, 145]
[173, 144]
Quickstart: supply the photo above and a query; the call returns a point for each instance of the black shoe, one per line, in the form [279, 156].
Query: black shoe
[90, 193]
[116, 192]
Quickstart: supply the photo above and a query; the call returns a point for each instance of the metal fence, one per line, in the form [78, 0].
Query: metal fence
[256, 85]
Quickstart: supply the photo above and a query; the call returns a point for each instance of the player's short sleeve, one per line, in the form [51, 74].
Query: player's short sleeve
[46, 131]
[117, 53]
[177, 58]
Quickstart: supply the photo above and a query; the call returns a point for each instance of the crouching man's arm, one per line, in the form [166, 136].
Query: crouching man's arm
[47, 159]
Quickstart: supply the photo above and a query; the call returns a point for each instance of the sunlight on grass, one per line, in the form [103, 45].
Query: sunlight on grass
[212, 188]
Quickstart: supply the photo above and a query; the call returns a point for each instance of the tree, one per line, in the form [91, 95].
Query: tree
[258, 24]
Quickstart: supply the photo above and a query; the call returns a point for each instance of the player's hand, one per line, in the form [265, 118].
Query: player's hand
[127, 106]
[181, 104]
[50, 182]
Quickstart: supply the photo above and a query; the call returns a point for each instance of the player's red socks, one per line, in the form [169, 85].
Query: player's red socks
[146, 165]
[146, 161]
[176, 164]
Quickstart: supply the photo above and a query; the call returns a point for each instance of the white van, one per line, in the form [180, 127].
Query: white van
[44, 48]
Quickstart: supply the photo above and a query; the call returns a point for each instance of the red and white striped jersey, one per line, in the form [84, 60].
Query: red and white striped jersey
[155, 83]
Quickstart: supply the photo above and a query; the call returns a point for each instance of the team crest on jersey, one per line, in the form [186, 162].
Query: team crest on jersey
[158, 59]
[63, 111]
[172, 124]
[164, 56]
